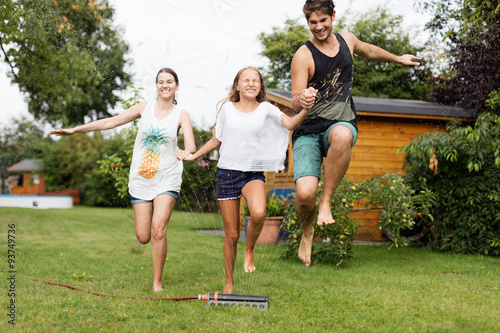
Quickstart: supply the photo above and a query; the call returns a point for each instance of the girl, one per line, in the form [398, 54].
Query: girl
[253, 137]
[155, 173]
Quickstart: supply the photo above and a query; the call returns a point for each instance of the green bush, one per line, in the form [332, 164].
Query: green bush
[71, 162]
[198, 189]
[400, 205]
[462, 168]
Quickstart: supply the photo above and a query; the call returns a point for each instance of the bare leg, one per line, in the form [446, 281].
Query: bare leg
[255, 194]
[230, 210]
[305, 202]
[143, 213]
[336, 164]
[163, 206]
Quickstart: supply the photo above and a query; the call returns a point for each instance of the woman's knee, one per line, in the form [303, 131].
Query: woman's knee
[143, 238]
[258, 214]
[158, 233]
[232, 238]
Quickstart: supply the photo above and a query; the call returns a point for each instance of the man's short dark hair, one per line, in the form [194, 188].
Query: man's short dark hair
[323, 6]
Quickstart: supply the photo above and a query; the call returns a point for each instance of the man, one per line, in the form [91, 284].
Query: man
[330, 130]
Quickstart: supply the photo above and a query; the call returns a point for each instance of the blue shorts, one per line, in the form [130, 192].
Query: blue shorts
[171, 193]
[309, 150]
[230, 182]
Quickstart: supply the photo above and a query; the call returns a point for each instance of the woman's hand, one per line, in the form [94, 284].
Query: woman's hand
[62, 132]
[184, 155]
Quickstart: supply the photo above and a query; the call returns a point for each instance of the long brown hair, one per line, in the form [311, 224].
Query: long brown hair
[234, 95]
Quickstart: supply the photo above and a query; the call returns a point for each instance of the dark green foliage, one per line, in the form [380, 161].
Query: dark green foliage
[65, 55]
[462, 168]
[198, 191]
[471, 31]
[381, 79]
[279, 48]
[71, 162]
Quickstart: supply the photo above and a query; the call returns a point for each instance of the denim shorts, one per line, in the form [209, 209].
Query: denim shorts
[171, 193]
[309, 150]
[230, 182]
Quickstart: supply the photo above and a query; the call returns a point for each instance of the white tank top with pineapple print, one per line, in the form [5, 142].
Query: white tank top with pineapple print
[155, 168]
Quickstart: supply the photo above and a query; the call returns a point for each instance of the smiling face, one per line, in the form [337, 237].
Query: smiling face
[166, 85]
[249, 84]
[320, 25]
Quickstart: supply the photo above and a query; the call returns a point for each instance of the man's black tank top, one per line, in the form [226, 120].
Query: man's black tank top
[333, 77]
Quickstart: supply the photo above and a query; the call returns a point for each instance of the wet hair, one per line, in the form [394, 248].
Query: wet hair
[234, 94]
[171, 72]
[323, 6]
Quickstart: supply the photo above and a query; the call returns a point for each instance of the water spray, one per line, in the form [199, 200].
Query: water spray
[216, 299]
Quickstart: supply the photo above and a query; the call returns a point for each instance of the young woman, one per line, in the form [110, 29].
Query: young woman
[155, 173]
[253, 137]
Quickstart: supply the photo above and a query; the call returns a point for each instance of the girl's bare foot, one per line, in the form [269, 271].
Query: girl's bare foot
[157, 287]
[249, 265]
[228, 288]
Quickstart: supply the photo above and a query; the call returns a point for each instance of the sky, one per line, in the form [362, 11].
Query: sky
[205, 42]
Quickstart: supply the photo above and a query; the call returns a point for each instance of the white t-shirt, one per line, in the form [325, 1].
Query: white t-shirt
[254, 141]
[155, 168]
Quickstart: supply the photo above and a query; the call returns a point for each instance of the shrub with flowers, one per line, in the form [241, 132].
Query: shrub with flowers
[333, 242]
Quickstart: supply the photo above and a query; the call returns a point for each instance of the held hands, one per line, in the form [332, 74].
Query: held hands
[408, 59]
[62, 132]
[307, 98]
[183, 155]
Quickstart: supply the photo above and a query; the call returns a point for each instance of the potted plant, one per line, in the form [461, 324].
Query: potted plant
[276, 207]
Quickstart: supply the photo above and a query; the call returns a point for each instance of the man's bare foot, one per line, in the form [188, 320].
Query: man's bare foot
[306, 245]
[325, 214]
[228, 288]
[249, 265]
[157, 287]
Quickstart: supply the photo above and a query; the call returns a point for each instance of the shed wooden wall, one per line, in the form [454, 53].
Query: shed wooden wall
[375, 154]
[29, 186]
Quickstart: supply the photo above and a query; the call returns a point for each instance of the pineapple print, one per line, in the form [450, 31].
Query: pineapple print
[150, 160]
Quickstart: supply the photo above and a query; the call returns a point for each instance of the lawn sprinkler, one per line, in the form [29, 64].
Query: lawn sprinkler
[216, 299]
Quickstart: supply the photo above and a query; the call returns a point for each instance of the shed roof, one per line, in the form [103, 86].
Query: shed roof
[390, 107]
[26, 165]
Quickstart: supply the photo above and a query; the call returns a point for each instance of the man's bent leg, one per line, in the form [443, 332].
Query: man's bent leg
[305, 202]
[337, 161]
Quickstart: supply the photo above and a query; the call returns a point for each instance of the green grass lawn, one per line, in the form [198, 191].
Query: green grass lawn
[95, 249]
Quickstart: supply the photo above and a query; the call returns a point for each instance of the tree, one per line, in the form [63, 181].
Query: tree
[65, 55]
[279, 48]
[381, 79]
[372, 79]
[471, 30]
[71, 162]
[22, 139]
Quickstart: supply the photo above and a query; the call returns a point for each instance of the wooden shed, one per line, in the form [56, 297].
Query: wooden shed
[385, 125]
[30, 179]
